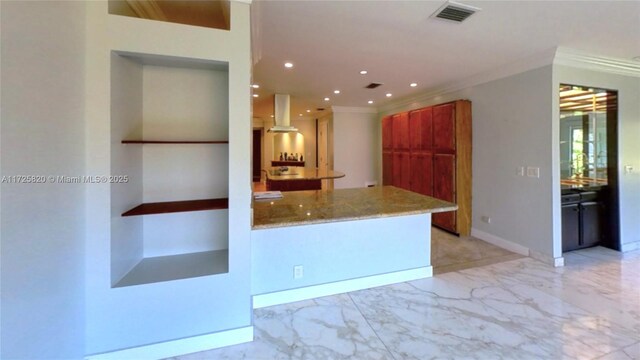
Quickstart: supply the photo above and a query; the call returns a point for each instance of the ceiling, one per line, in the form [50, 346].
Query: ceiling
[398, 43]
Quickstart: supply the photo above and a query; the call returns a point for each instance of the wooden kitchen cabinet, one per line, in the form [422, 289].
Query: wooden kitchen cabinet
[400, 132]
[444, 182]
[387, 168]
[421, 169]
[421, 129]
[444, 127]
[430, 153]
[401, 166]
[387, 133]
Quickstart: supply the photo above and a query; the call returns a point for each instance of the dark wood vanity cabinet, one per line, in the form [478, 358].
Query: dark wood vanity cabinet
[428, 151]
[582, 220]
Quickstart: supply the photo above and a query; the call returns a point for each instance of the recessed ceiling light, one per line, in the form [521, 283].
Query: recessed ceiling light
[389, 94]
[288, 65]
[326, 99]
[336, 91]
[370, 101]
[271, 115]
[255, 95]
[308, 110]
[363, 72]
[413, 84]
[299, 114]
[255, 86]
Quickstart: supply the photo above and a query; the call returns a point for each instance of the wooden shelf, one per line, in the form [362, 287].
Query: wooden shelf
[178, 206]
[176, 267]
[174, 142]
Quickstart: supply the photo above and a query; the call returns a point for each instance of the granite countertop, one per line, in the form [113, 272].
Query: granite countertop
[582, 184]
[317, 206]
[300, 173]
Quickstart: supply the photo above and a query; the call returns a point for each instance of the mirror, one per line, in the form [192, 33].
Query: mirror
[584, 115]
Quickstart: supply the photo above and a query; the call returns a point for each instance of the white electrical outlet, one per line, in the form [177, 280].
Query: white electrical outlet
[486, 219]
[298, 272]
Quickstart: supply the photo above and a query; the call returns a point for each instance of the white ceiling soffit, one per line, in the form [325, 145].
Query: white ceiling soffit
[329, 42]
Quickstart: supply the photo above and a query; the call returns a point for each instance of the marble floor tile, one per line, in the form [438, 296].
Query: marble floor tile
[452, 253]
[516, 309]
[602, 288]
[628, 353]
[456, 315]
[324, 328]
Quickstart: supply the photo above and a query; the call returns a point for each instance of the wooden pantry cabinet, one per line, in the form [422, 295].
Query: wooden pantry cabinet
[428, 151]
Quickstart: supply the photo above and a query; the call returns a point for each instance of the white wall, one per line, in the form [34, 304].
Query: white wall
[355, 145]
[42, 226]
[270, 151]
[628, 88]
[131, 316]
[307, 127]
[512, 127]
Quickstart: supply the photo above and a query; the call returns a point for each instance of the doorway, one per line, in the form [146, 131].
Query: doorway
[323, 151]
[589, 167]
[257, 155]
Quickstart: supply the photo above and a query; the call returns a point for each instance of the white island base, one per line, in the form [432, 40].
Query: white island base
[338, 257]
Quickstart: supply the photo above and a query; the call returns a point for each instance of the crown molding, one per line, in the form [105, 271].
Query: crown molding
[354, 109]
[575, 58]
[554, 56]
[525, 64]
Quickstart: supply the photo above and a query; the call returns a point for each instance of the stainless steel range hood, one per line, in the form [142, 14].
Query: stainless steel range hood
[281, 105]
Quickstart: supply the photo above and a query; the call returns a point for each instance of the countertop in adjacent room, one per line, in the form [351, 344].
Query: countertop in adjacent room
[318, 206]
[301, 173]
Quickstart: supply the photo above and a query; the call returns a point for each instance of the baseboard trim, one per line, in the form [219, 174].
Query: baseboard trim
[547, 259]
[180, 347]
[630, 246]
[500, 242]
[339, 287]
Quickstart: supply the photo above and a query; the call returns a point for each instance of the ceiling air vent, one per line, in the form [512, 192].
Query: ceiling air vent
[373, 85]
[455, 12]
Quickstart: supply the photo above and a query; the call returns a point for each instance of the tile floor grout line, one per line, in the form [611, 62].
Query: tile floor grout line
[616, 350]
[371, 327]
[551, 293]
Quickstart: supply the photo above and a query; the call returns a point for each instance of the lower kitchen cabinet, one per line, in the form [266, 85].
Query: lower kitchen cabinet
[570, 227]
[444, 184]
[591, 215]
[581, 221]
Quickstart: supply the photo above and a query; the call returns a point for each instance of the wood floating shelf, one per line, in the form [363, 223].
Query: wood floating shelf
[178, 206]
[174, 142]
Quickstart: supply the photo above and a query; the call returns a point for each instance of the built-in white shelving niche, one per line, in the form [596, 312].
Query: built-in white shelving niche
[207, 13]
[169, 136]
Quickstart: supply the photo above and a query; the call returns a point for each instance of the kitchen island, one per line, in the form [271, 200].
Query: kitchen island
[317, 243]
[298, 178]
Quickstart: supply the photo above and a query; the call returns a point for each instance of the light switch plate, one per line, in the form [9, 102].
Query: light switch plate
[520, 171]
[533, 171]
